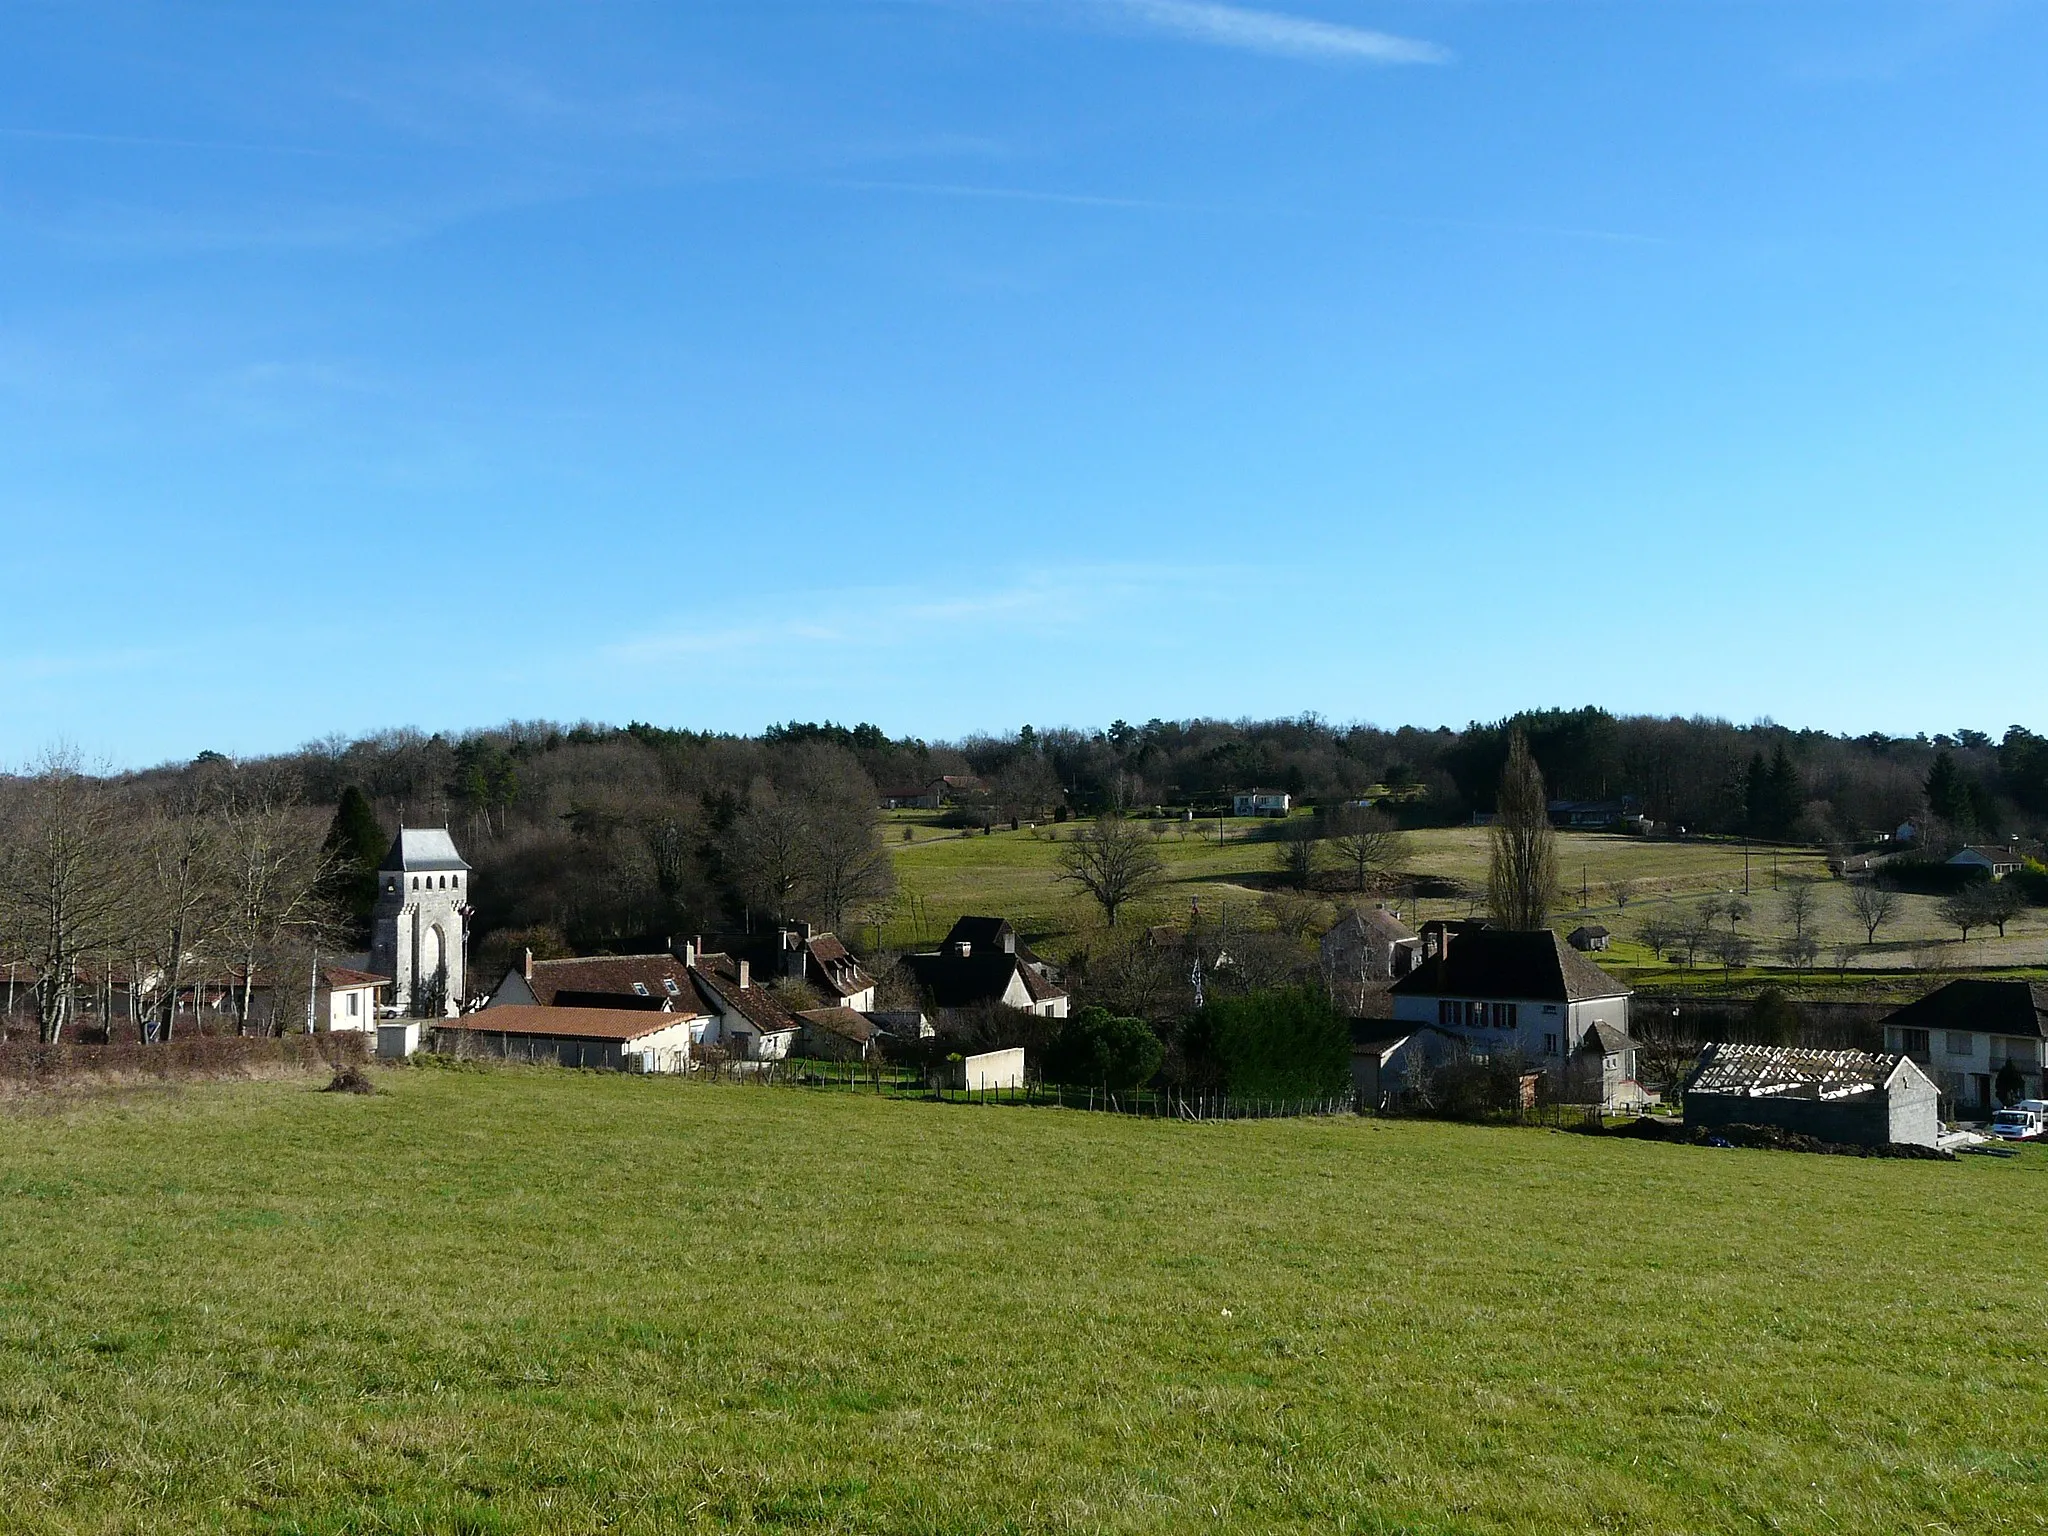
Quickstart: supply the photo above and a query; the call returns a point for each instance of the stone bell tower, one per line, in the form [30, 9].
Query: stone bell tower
[419, 929]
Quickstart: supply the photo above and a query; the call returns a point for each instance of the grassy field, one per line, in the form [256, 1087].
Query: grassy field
[944, 874]
[526, 1300]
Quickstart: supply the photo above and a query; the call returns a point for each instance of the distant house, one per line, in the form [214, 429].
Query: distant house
[1906, 833]
[1962, 1034]
[1501, 990]
[1588, 939]
[1261, 802]
[1368, 947]
[838, 1034]
[1841, 1096]
[1594, 813]
[1996, 862]
[912, 797]
[827, 965]
[347, 999]
[606, 1039]
[982, 961]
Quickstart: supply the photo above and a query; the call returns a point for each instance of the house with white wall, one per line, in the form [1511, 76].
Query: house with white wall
[1527, 992]
[1963, 1034]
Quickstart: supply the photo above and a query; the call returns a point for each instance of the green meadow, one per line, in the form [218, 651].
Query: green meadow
[526, 1300]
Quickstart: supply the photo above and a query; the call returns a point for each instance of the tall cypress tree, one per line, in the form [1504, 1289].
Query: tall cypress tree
[355, 842]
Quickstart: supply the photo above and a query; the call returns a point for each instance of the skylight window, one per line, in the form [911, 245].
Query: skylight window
[640, 989]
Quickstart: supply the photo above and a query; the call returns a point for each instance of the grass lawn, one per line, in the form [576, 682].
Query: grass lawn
[527, 1300]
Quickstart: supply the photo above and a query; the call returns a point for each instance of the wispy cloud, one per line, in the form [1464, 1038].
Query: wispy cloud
[1299, 37]
[1015, 195]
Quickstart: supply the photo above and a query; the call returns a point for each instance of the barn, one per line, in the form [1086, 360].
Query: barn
[607, 1039]
[1843, 1096]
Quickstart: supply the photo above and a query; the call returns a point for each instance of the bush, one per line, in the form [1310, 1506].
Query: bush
[1287, 1044]
[1094, 1048]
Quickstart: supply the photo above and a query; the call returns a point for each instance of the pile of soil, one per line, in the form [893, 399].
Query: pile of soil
[350, 1079]
[1768, 1138]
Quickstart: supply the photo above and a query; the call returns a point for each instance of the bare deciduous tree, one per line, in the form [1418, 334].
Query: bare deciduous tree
[67, 886]
[1660, 931]
[1874, 907]
[1621, 893]
[1522, 874]
[1112, 860]
[1300, 851]
[1368, 844]
[1799, 908]
[274, 876]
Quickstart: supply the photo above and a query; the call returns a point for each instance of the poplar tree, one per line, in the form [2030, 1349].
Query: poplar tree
[1522, 880]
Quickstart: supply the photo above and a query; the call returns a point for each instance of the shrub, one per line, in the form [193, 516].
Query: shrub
[1288, 1044]
[1097, 1049]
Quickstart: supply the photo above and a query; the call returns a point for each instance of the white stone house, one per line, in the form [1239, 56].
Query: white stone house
[1528, 993]
[1963, 1034]
[1261, 802]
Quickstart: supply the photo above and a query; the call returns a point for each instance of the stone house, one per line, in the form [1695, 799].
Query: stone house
[1961, 1035]
[1527, 992]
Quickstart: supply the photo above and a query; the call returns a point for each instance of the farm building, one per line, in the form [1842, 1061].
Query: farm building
[1843, 1096]
[838, 1034]
[608, 1039]
[1963, 1035]
[1588, 939]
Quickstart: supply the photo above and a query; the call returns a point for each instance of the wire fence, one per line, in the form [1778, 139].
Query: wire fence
[890, 1081]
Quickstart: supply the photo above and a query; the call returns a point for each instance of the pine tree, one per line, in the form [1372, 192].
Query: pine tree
[1786, 795]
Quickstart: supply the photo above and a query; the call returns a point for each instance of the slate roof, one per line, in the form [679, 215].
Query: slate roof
[1509, 965]
[1376, 921]
[1780, 1072]
[1989, 1007]
[1606, 1039]
[613, 974]
[422, 849]
[616, 1024]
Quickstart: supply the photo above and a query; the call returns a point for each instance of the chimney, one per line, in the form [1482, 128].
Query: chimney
[793, 954]
[526, 963]
[1436, 940]
[685, 952]
[746, 975]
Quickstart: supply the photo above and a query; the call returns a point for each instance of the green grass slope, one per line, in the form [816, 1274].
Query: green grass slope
[538, 1301]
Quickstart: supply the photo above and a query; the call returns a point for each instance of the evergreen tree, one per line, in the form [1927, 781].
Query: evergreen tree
[1756, 795]
[1948, 795]
[356, 841]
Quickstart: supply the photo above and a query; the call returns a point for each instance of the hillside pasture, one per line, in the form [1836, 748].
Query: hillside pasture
[1228, 865]
[525, 1300]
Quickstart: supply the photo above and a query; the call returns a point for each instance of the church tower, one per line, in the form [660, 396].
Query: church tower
[419, 929]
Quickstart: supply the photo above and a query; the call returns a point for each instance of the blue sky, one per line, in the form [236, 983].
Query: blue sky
[956, 364]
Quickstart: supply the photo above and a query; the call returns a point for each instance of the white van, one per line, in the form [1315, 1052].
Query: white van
[2018, 1123]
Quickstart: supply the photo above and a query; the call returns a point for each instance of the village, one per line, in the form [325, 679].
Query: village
[1492, 1014]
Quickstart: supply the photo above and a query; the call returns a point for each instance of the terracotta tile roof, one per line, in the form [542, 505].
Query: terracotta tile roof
[834, 967]
[336, 976]
[756, 1004]
[612, 973]
[568, 1023]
